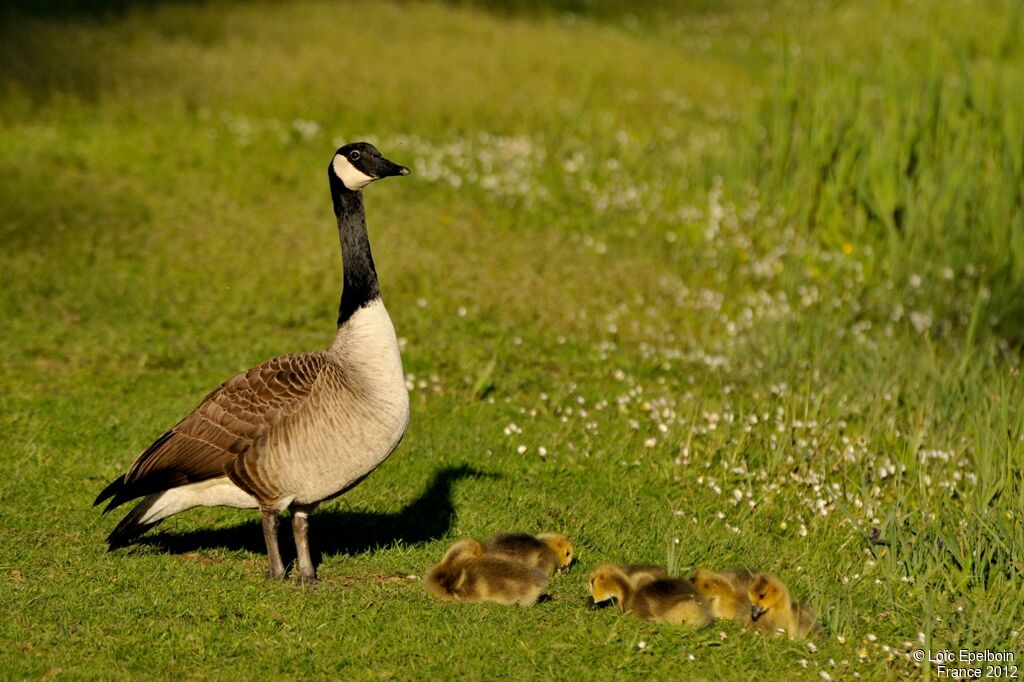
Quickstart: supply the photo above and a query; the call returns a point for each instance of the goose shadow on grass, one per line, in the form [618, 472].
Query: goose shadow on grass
[340, 531]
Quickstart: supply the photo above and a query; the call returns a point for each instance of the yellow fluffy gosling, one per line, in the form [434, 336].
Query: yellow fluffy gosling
[466, 573]
[773, 608]
[548, 551]
[665, 600]
[724, 598]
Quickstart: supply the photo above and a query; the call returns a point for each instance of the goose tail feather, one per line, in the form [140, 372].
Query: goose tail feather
[116, 486]
[133, 524]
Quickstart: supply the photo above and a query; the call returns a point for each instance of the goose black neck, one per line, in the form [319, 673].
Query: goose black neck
[361, 286]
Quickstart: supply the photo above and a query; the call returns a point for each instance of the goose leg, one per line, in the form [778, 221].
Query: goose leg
[271, 523]
[300, 528]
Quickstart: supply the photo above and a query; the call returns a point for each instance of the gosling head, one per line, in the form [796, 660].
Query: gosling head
[765, 593]
[358, 164]
[562, 547]
[606, 583]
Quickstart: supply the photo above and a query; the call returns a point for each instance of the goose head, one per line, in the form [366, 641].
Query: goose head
[766, 593]
[608, 583]
[358, 164]
[561, 545]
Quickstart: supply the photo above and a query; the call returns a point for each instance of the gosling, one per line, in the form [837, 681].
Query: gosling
[642, 574]
[638, 576]
[441, 577]
[725, 599]
[466, 573]
[548, 552]
[773, 608]
[665, 600]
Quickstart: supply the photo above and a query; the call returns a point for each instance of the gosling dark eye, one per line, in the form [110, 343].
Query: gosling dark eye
[354, 155]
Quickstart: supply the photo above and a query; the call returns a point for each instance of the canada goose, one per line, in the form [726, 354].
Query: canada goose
[722, 595]
[773, 608]
[548, 551]
[667, 600]
[465, 573]
[295, 430]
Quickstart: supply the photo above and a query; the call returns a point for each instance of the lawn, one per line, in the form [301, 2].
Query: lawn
[700, 283]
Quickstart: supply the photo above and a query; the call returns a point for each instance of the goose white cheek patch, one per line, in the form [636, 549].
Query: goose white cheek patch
[352, 177]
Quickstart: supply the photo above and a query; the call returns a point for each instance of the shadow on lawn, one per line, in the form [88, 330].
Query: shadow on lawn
[339, 531]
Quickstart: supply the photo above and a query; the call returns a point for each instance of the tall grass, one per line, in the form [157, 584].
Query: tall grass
[917, 164]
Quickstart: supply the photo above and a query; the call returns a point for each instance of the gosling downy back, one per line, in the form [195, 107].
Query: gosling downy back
[724, 599]
[487, 578]
[547, 551]
[670, 600]
[741, 577]
[641, 574]
[464, 549]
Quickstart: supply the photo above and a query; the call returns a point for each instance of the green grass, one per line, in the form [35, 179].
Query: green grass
[751, 273]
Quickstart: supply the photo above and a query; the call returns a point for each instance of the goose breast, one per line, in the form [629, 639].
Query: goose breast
[354, 417]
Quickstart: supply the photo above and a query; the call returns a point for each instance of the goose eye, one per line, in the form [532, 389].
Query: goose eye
[354, 155]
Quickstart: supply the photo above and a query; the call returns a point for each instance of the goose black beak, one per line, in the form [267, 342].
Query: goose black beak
[756, 612]
[387, 169]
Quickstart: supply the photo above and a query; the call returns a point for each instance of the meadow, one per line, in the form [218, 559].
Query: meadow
[700, 283]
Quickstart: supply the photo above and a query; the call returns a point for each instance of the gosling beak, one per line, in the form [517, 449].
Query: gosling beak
[387, 169]
[757, 611]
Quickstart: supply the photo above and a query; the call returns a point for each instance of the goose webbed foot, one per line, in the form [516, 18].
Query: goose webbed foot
[275, 567]
[306, 573]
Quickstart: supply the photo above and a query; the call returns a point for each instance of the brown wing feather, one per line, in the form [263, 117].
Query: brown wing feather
[225, 425]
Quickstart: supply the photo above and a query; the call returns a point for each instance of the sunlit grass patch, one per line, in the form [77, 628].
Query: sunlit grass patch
[723, 285]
